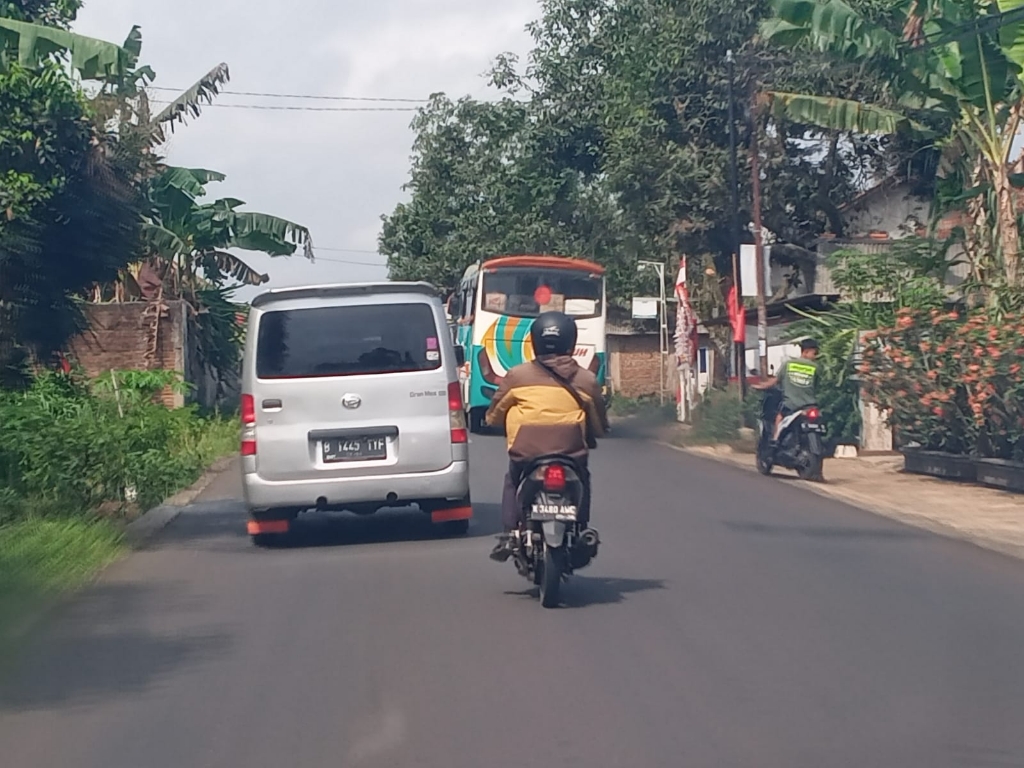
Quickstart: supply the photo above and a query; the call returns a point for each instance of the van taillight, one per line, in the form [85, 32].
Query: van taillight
[248, 408]
[554, 477]
[456, 414]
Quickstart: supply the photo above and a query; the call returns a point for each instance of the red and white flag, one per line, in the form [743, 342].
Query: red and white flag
[686, 320]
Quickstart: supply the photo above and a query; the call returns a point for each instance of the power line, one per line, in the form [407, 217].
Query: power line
[347, 250]
[301, 109]
[301, 96]
[355, 263]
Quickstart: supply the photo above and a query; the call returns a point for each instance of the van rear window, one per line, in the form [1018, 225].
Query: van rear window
[347, 341]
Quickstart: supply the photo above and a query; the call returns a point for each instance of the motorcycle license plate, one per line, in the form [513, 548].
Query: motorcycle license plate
[552, 508]
[812, 428]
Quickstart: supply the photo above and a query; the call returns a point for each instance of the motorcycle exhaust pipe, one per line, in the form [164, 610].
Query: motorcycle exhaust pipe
[590, 539]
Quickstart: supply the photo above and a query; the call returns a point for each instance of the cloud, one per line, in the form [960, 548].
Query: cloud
[335, 172]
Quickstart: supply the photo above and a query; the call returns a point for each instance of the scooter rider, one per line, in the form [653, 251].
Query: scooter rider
[542, 418]
[798, 378]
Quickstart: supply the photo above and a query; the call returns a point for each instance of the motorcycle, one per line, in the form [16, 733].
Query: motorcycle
[551, 542]
[800, 444]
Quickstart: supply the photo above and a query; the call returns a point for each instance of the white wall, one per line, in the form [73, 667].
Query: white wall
[893, 210]
[777, 352]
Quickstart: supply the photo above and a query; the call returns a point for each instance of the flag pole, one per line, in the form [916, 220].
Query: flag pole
[740, 346]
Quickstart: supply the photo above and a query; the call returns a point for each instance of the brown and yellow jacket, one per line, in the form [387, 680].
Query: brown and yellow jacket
[540, 417]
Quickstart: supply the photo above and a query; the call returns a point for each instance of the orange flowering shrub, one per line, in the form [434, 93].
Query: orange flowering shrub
[950, 383]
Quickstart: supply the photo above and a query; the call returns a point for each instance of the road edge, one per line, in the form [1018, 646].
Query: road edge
[142, 528]
[864, 504]
[136, 533]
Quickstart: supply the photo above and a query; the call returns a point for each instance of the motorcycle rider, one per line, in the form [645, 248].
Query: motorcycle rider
[542, 418]
[798, 378]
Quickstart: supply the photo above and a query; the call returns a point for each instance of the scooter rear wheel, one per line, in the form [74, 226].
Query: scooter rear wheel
[763, 453]
[810, 468]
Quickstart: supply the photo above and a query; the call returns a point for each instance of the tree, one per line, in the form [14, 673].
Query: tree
[69, 203]
[187, 243]
[956, 65]
[620, 116]
[482, 185]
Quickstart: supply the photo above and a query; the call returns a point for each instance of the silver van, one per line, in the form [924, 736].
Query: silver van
[351, 401]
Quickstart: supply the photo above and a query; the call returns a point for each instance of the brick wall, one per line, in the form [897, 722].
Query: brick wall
[131, 337]
[633, 365]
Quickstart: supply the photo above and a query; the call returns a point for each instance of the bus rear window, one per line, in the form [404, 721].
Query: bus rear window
[347, 341]
[523, 292]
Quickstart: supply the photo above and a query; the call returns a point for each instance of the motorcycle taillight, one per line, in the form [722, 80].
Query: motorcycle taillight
[813, 414]
[554, 477]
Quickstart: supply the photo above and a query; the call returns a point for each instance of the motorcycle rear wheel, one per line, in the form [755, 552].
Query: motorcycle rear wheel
[762, 452]
[810, 468]
[551, 578]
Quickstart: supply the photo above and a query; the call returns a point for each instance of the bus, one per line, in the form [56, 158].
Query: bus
[495, 305]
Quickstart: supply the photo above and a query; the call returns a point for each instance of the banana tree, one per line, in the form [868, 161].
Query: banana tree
[956, 65]
[29, 44]
[191, 241]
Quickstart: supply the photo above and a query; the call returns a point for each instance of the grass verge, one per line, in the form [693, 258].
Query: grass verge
[42, 556]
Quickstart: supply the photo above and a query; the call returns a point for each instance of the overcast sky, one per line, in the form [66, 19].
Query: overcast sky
[335, 172]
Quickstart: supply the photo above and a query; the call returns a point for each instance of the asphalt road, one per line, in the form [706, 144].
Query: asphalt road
[730, 620]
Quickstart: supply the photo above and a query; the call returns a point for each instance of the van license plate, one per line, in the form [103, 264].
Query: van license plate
[355, 449]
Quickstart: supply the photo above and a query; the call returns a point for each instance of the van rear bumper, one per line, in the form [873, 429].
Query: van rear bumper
[261, 494]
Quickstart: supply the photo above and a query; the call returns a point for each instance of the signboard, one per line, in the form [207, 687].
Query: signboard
[748, 270]
[645, 308]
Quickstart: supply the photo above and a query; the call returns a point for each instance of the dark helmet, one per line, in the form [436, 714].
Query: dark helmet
[807, 344]
[553, 333]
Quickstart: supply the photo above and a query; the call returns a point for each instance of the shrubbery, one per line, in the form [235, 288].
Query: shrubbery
[951, 383]
[74, 445]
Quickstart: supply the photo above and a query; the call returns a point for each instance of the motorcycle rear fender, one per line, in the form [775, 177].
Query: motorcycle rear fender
[554, 533]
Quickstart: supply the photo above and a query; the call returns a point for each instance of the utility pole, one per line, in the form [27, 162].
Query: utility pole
[755, 183]
[739, 346]
[658, 267]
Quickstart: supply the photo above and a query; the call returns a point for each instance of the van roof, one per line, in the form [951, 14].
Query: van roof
[340, 290]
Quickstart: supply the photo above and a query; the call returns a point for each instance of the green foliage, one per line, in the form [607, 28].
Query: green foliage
[874, 288]
[954, 65]
[68, 209]
[613, 145]
[190, 240]
[718, 416]
[645, 408]
[31, 45]
[951, 383]
[41, 556]
[83, 443]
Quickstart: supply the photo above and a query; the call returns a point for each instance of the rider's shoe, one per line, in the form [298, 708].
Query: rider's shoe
[503, 549]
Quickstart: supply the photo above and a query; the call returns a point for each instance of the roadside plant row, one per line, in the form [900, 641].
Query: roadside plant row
[78, 458]
[71, 446]
[950, 382]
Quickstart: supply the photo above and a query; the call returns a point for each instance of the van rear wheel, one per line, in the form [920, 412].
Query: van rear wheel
[455, 528]
[267, 540]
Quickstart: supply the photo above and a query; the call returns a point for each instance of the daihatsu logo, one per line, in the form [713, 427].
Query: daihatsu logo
[351, 401]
